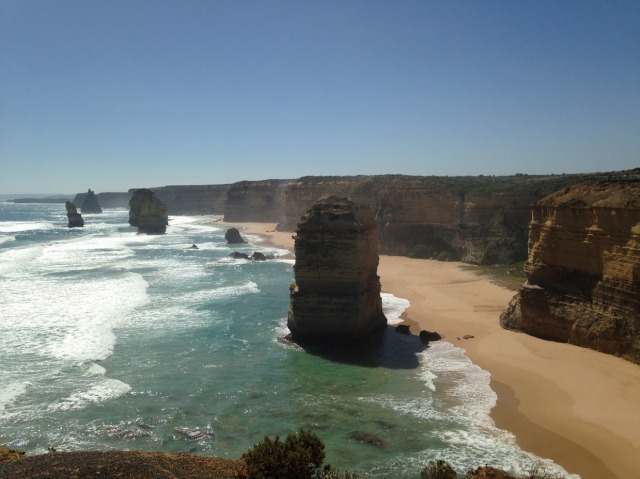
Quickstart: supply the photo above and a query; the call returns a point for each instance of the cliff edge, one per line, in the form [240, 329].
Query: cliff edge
[583, 269]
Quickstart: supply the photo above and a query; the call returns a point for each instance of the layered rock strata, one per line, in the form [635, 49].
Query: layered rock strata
[193, 199]
[583, 269]
[481, 219]
[90, 204]
[261, 201]
[336, 294]
[147, 212]
[74, 218]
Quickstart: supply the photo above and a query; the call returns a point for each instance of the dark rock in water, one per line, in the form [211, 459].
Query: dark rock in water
[193, 246]
[91, 204]
[427, 336]
[237, 255]
[147, 212]
[336, 294]
[403, 329]
[233, 236]
[194, 434]
[75, 218]
[368, 438]
[258, 256]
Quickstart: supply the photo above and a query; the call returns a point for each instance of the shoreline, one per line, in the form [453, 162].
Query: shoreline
[576, 406]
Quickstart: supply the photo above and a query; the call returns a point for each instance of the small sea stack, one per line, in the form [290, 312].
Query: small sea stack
[75, 218]
[147, 212]
[90, 203]
[336, 294]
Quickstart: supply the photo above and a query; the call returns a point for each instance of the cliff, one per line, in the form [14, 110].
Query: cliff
[255, 201]
[147, 212]
[481, 219]
[336, 294]
[583, 269]
[193, 199]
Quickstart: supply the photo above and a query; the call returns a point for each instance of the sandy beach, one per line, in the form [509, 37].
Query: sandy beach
[578, 407]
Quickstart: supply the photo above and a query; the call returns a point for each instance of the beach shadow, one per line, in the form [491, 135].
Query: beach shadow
[384, 348]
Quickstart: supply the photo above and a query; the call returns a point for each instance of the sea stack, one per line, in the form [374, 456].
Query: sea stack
[583, 269]
[147, 212]
[75, 218]
[336, 294]
[90, 203]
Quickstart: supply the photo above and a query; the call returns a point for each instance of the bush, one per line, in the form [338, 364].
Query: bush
[438, 470]
[299, 456]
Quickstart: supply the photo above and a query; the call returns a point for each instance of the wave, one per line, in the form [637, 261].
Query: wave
[97, 393]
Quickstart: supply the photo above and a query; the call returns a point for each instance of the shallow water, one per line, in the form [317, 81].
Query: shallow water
[114, 340]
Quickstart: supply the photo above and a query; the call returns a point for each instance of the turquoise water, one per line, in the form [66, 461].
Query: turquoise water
[114, 340]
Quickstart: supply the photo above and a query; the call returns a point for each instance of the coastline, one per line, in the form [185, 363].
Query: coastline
[576, 406]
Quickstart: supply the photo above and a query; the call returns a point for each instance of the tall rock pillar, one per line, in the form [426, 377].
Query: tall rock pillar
[147, 212]
[336, 294]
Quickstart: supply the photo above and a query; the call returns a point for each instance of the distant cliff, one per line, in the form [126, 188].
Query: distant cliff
[193, 199]
[583, 269]
[475, 219]
[255, 201]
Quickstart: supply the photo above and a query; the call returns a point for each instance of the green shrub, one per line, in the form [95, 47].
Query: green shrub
[299, 456]
[438, 470]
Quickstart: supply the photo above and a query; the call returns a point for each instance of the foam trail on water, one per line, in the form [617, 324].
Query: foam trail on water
[393, 307]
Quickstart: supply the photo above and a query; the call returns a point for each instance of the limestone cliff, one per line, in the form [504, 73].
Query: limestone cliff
[481, 219]
[74, 218]
[114, 200]
[147, 212]
[336, 294]
[255, 201]
[583, 269]
[193, 199]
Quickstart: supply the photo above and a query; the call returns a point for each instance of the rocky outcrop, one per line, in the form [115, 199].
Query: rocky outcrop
[583, 269]
[75, 218]
[336, 294]
[232, 235]
[481, 219]
[147, 212]
[90, 203]
[261, 201]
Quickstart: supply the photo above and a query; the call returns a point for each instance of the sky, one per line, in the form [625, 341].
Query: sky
[117, 94]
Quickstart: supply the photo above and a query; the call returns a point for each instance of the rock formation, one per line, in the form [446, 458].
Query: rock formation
[193, 199]
[336, 294]
[474, 219]
[75, 218]
[583, 269]
[255, 201]
[147, 212]
[90, 203]
[232, 235]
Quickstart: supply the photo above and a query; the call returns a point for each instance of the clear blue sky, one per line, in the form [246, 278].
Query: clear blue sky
[115, 94]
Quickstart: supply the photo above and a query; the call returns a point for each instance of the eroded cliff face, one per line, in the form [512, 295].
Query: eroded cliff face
[472, 219]
[260, 201]
[193, 199]
[583, 269]
[336, 294]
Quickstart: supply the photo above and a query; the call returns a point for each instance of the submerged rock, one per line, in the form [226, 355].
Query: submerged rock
[336, 294]
[75, 218]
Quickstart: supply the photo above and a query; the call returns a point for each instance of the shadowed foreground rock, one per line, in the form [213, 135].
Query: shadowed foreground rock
[122, 464]
[336, 296]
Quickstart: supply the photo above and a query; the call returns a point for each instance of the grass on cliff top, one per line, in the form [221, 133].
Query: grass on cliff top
[510, 276]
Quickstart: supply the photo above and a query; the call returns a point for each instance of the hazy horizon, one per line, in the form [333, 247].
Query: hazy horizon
[115, 95]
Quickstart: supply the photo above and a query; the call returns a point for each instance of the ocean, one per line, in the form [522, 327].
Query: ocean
[114, 340]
